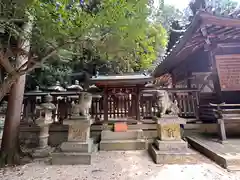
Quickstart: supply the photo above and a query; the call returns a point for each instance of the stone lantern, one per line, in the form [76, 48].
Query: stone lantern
[56, 87]
[75, 87]
[43, 122]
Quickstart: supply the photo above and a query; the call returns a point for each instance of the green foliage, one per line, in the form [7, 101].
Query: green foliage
[115, 34]
[167, 14]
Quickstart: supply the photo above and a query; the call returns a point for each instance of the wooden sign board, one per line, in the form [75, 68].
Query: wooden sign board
[228, 68]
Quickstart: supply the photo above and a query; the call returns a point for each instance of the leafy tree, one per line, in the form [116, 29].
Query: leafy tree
[111, 27]
[122, 42]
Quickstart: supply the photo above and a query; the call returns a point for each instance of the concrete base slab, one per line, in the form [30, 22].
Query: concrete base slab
[171, 157]
[171, 145]
[122, 145]
[225, 155]
[69, 158]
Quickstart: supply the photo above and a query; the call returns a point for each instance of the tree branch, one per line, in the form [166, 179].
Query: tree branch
[7, 84]
[23, 69]
[5, 20]
[4, 61]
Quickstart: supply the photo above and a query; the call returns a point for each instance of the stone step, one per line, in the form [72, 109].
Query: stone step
[128, 135]
[233, 168]
[67, 158]
[233, 163]
[122, 145]
[72, 146]
[171, 145]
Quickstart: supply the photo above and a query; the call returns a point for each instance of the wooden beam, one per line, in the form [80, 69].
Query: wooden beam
[209, 19]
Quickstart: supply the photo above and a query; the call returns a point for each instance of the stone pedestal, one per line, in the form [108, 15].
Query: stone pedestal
[169, 146]
[78, 148]
[45, 119]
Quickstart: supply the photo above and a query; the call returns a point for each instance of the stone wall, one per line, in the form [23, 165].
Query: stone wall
[58, 133]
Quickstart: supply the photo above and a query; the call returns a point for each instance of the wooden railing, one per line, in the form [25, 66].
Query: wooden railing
[119, 107]
[62, 101]
[205, 110]
[187, 102]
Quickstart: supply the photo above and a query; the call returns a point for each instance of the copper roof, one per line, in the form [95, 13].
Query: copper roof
[122, 79]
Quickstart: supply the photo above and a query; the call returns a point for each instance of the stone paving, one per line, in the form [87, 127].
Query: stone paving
[130, 165]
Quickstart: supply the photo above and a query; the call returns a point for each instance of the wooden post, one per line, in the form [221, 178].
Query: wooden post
[189, 80]
[173, 80]
[216, 82]
[137, 104]
[105, 106]
[221, 130]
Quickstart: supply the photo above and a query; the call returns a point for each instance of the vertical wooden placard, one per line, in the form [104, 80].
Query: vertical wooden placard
[228, 68]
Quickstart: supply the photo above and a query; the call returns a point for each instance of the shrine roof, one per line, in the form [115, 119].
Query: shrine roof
[121, 79]
[205, 29]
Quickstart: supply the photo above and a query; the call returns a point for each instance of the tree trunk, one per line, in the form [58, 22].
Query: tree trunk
[9, 148]
[6, 85]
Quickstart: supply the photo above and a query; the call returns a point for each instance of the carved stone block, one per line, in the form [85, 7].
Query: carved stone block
[168, 128]
[169, 132]
[79, 129]
[78, 133]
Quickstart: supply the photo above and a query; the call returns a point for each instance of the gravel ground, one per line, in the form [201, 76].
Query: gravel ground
[122, 166]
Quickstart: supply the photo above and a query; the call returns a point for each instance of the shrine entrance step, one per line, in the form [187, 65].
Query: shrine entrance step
[128, 135]
[226, 155]
[122, 141]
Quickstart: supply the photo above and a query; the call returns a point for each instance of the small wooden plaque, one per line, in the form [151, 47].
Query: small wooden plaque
[120, 127]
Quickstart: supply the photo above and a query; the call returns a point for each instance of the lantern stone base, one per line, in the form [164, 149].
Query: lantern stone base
[169, 146]
[42, 152]
[78, 148]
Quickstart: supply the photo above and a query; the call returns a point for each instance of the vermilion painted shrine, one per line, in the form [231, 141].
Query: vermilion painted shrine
[202, 71]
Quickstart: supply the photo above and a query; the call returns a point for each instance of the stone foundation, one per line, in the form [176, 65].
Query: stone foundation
[171, 157]
[226, 155]
[59, 133]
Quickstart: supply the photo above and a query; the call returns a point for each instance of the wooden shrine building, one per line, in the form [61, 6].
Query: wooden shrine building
[207, 57]
[121, 95]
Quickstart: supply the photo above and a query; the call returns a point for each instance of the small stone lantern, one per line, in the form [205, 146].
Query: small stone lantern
[75, 87]
[44, 121]
[56, 87]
